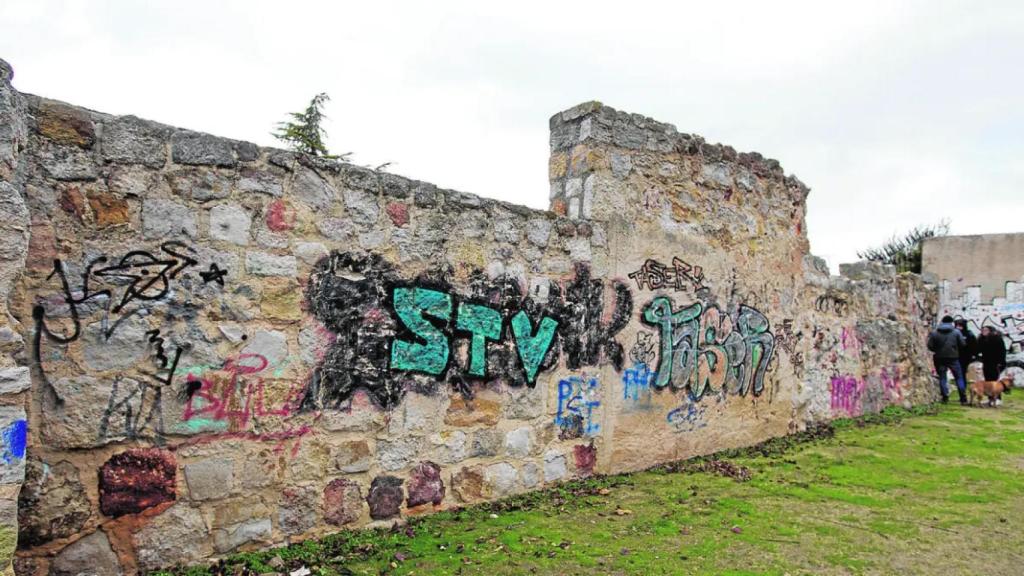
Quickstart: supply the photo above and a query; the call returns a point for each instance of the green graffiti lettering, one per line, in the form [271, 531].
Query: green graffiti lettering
[485, 324]
[532, 346]
[411, 306]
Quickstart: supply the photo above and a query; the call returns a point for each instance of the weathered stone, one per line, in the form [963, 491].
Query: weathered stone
[210, 479]
[201, 149]
[343, 502]
[282, 299]
[309, 188]
[519, 442]
[137, 479]
[91, 555]
[164, 219]
[351, 457]
[452, 446]
[64, 124]
[486, 442]
[299, 509]
[230, 223]
[425, 485]
[199, 184]
[524, 403]
[501, 479]
[178, 536]
[506, 231]
[270, 344]
[259, 182]
[621, 164]
[263, 264]
[399, 452]
[109, 210]
[465, 413]
[362, 206]
[129, 140]
[52, 503]
[538, 230]
[385, 497]
[130, 180]
[280, 216]
[530, 474]
[554, 466]
[124, 348]
[310, 252]
[469, 484]
[67, 163]
[231, 537]
[14, 380]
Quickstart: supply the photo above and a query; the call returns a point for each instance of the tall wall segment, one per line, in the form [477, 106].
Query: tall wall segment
[208, 346]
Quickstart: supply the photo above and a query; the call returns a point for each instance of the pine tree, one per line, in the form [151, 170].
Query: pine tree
[904, 252]
[304, 133]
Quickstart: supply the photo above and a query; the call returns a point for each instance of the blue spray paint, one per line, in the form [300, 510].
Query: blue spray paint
[577, 400]
[13, 438]
[637, 381]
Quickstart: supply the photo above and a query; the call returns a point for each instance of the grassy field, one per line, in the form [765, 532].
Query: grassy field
[935, 492]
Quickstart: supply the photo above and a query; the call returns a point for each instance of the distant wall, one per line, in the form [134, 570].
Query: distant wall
[987, 261]
[220, 347]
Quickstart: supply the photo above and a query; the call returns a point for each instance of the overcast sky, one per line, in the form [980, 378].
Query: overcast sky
[894, 113]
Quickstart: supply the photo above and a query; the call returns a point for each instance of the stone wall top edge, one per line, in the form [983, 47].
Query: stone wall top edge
[618, 128]
[239, 153]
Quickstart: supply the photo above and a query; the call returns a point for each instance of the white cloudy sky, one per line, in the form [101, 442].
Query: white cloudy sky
[894, 113]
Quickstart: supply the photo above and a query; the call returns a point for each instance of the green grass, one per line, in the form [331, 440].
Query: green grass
[932, 491]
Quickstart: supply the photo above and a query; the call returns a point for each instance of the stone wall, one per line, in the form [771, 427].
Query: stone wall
[983, 261]
[231, 346]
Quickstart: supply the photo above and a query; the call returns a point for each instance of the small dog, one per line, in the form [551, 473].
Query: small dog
[993, 390]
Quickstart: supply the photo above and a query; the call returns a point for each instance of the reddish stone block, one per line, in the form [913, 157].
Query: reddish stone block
[343, 502]
[385, 497]
[108, 209]
[280, 216]
[399, 213]
[135, 480]
[425, 485]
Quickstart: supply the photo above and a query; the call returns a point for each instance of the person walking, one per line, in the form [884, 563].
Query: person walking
[945, 343]
[969, 352]
[993, 353]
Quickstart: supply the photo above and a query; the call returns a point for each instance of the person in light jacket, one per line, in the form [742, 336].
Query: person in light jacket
[945, 344]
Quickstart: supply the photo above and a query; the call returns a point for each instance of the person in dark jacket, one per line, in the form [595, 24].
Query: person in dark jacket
[993, 353]
[945, 343]
[968, 353]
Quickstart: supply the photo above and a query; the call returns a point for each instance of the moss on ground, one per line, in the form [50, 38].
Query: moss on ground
[925, 492]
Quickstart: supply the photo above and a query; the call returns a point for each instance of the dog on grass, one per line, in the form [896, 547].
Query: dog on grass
[991, 389]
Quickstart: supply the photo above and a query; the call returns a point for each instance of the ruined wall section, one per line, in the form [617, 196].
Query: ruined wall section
[233, 346]
[14, 376]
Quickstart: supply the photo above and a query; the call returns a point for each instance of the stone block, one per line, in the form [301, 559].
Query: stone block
[90, 555]
[68, 163]
[201, 149]
[178, 536]
[230, 223]
[343, 502]
[263, 264]
[299, 509]
[108, 209]
[385, 497]
[200, 184]
[130, 140]
[52, 503]
[272, 345]
[167, 220]
[14, 380]
[312, 190]
[519, 442]
[362, 206]
[231, 537]
[530, 474]
[310, 252]
[501, 479]
[554, 467]
[210, 479]
[64, 124]
[259, 182]
[538, 230]
[282, 299]
[425, 485]
[469, 484]
[397, 453]
[478, 411]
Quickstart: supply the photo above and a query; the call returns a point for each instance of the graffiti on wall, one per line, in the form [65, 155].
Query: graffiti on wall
[680, 276]
[1005, 314]
[706, 349]
[832, 302]
[853, 396]
[390, 333]
[578, 401]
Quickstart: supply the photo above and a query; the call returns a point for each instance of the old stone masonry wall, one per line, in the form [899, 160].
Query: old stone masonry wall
[209, 346]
